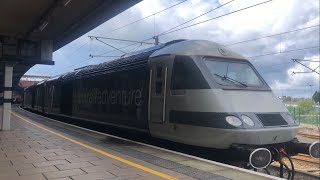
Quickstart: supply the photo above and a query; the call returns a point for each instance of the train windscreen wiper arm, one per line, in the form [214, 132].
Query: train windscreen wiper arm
[231, 80]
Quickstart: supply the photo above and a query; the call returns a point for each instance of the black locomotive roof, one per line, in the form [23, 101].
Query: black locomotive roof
[126, 62]
[140, 58]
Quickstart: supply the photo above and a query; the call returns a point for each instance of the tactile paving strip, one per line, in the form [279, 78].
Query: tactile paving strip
[183, 169]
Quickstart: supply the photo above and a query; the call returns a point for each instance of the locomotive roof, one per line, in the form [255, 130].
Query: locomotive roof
[140, 58]
[197, 47]
[127, 61]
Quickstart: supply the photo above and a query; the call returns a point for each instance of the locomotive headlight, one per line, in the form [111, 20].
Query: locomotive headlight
[247, 120]
[234, 121]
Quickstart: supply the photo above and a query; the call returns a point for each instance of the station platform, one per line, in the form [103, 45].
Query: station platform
[40, 148]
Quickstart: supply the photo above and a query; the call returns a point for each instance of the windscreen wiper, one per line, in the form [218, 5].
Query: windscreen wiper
[231, 80]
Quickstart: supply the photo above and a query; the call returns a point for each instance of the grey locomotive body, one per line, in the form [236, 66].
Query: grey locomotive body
[214, 97]
[191, 91]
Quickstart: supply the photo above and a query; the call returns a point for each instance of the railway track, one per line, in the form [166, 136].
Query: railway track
[306, 168]
[317, 137]
[306, 158]
[307, 164]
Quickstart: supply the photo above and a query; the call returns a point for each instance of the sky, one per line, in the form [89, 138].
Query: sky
[279, 31]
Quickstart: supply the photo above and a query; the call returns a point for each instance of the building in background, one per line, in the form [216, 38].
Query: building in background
[29, 80]
[25, 81]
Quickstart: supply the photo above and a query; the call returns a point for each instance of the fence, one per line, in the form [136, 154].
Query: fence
[312, 118]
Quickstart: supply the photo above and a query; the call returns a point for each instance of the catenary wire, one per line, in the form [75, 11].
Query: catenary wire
[237, 42]
[271, 35]
[232, 12]
[197, 16]
[300, 49]
[191, 25]
[205, 20]
[126, 25]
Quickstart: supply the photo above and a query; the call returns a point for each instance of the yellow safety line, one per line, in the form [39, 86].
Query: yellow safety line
[165, 176]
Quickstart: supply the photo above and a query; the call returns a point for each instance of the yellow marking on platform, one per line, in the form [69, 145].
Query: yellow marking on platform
[165, 176]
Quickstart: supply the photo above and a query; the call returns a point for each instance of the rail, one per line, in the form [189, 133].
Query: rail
[317, 137]
[307, 164]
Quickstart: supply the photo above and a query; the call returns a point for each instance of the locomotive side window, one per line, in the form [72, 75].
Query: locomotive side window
[159, 81]
[186, 75]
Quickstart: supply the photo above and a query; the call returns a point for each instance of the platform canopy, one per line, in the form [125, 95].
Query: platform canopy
[31, 30]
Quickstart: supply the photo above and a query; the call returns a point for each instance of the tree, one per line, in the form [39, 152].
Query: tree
[316, 96]
[305, 105]
[286, 99]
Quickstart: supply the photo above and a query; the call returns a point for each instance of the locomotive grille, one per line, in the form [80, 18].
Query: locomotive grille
[272, 119]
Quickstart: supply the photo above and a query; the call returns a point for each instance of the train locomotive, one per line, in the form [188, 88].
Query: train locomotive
[194, 92]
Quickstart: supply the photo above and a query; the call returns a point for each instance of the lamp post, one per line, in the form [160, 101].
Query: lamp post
[310, 85]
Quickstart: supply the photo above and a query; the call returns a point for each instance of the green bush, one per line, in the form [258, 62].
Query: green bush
[306, 106]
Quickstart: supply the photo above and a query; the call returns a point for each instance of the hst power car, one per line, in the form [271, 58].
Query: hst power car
[194, 92]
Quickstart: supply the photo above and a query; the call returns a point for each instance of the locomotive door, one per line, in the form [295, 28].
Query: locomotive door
[66, 99]
[158, 90]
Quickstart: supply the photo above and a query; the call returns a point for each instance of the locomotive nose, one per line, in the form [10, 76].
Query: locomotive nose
[314, 150]
[260, 158]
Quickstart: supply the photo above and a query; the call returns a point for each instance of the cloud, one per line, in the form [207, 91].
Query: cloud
[303, 80]
[270, 18]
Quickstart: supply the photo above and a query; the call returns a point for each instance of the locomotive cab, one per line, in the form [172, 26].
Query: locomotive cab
[204, 94]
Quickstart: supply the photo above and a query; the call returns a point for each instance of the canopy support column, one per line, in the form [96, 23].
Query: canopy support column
[7, 98]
